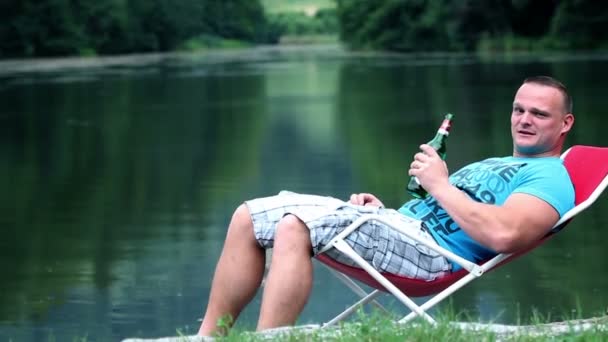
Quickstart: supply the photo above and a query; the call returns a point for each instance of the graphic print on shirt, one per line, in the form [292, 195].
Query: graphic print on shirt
[488, 181]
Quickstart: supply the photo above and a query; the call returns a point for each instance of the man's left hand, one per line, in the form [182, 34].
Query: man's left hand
[365, 199]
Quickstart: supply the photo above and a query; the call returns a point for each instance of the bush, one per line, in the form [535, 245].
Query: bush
[324, 21]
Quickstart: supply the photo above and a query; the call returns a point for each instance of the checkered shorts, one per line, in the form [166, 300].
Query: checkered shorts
[386, 249]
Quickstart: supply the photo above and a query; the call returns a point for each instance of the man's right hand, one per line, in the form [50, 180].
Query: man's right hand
[430, 169]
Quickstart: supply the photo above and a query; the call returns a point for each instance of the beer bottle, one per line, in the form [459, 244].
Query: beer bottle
[439, 144]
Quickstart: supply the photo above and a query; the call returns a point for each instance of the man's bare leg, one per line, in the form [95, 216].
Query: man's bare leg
[289, 280]
[238, 273]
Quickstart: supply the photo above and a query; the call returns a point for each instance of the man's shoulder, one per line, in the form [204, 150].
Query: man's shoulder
[552, 165]
[497, 163]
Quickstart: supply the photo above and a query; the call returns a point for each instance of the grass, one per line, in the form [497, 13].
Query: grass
[375, 327]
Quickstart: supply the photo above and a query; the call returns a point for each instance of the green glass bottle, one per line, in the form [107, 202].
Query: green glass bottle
[439, 144]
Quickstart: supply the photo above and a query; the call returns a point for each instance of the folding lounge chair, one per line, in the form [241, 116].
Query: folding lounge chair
[588, 170]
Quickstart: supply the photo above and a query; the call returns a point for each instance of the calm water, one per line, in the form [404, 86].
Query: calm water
[118, 180]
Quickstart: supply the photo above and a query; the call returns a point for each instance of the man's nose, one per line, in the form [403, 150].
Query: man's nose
[525, 118]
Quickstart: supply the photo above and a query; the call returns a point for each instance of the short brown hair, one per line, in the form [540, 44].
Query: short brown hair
[552, 82]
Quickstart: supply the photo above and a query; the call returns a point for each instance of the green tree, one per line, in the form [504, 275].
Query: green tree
[470, 20]
[240, 19]
[104, 24]
[69, 27]
[402, 25]
[426, 25]
[580, 24]
[33, 28]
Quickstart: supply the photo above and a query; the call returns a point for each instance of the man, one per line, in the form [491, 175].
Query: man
[493, 206]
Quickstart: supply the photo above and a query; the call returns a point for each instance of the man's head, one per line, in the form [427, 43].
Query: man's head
[541, 117]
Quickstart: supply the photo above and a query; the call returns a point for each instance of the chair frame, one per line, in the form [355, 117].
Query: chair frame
[458, 279]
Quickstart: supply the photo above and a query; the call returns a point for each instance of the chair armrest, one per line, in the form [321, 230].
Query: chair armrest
[469, 266]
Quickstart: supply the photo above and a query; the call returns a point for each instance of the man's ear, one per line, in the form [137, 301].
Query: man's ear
[567, 123]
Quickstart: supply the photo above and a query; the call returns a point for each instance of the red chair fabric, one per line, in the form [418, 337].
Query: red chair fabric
[584, 169]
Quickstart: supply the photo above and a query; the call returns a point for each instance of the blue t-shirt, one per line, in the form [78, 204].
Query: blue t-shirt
[491, 181]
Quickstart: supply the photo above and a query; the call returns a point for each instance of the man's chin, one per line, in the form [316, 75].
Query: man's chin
[528, 149]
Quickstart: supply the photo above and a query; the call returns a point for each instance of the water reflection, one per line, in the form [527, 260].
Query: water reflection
[119, 180]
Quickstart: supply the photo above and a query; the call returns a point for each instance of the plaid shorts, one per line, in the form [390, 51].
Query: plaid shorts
[386, 249]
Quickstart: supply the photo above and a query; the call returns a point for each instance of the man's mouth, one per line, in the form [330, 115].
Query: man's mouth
[523, 132]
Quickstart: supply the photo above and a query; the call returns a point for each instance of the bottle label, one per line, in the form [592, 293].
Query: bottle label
[445, 127]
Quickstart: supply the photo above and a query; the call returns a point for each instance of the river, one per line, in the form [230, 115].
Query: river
[119, 176]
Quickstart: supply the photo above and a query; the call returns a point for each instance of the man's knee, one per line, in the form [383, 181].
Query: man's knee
[241, 215]
[291, 231]
[241, 222]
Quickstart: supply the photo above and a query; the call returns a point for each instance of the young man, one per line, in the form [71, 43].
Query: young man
[493, 206]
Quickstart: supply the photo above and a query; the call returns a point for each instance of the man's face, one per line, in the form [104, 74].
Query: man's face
[539, 120]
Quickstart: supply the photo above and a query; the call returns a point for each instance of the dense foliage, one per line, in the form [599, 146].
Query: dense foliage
[33, 28]
[296, 23]
[419, 25]
[68, 27]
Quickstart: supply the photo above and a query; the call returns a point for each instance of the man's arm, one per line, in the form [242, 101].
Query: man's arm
[520, 221]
